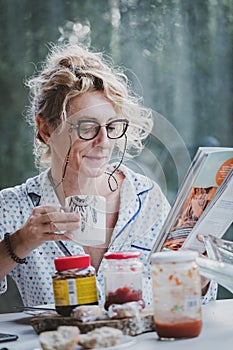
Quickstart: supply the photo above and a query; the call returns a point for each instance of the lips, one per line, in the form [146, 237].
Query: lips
[96, 158]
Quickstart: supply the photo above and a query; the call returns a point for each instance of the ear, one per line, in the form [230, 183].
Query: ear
[44, 129]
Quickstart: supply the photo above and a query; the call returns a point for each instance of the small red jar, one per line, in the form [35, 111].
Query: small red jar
[123, 277]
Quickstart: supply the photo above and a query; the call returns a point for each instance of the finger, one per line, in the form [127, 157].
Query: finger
[200, 238]
[62, 217]
[57, 217]
[56, 237]
[56, 227]
[46, 209]
[53, 221]
[69, 235]
[204, 282]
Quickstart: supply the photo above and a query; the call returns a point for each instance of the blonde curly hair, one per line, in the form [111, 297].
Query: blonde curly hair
[71, 70]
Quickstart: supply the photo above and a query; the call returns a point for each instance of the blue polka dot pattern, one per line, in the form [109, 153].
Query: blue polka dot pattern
[143, 209]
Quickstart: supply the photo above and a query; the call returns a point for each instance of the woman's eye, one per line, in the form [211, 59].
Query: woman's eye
[88, 128]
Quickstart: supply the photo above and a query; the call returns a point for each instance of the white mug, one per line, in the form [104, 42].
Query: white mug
[92, 210]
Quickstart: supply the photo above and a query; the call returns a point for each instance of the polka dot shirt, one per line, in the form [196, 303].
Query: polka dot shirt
[143, 209]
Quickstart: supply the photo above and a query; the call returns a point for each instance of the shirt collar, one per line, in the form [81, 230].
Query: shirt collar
[137, 182]
[133, 186]
[41, 188]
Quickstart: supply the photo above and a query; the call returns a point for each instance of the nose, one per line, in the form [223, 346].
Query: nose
[102, 137]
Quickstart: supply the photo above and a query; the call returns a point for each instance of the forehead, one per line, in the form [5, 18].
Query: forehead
[92, 105]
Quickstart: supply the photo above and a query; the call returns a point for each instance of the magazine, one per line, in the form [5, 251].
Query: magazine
[204, 203]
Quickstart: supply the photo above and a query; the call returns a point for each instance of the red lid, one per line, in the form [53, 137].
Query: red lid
[72, 262]
[122, 255]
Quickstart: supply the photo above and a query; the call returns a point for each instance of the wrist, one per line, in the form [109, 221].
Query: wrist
[204, 289]
[11, 250]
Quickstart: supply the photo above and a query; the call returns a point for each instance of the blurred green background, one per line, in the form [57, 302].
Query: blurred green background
[176, 53]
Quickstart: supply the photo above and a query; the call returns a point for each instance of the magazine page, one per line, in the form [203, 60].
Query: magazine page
[206, 173]
[184, 188]
[217, 217]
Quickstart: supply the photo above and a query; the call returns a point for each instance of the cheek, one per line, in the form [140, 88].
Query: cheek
[84, 148]
[79, 149]
[63, 142]
[60, 145]
[111, 147]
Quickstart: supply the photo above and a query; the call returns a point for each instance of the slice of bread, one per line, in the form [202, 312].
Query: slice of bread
[87, 313]
[64, 338]
[100, 337]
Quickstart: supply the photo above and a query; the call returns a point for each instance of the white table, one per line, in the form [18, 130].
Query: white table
[217, 332]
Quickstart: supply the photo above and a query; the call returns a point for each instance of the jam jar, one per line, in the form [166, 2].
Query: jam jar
[176, 285]
[123, 277]
[74, 283]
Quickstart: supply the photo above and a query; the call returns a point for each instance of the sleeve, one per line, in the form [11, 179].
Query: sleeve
[11, 217]
[154, 210]
[3, 286]
[211, 293]
[3, 282]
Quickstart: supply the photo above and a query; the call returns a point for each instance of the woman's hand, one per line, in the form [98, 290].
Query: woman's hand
[45, 224]
[204, 281]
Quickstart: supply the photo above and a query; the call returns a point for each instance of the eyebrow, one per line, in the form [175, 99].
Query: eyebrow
[92, 119]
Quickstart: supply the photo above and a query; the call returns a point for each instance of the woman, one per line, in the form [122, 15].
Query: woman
[83, 110]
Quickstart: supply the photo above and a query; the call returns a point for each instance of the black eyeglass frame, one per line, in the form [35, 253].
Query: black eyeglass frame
[79, 122]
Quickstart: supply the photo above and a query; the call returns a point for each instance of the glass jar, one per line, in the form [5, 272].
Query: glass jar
[176, 294]
[123, 278]
[74, 283]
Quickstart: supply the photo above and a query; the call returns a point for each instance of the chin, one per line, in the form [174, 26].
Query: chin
[94, 171]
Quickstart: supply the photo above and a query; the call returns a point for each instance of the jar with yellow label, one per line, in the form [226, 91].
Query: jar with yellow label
[74, 283]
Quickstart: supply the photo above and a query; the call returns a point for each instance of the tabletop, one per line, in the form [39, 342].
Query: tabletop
[217, 331]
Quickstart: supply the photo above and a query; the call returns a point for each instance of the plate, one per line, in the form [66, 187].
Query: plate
[35, 310]
[219, 271]
[219, 264]
[125, 341]
[219, 249]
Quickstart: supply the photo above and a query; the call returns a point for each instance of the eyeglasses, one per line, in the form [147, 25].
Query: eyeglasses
[89, 129]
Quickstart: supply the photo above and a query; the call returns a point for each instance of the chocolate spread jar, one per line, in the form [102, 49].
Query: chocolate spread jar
[74, 283]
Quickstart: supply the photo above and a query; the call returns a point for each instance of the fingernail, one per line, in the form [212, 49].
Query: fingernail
[69, 235]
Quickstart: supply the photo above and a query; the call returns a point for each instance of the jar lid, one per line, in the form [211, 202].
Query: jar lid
[72, 262]
[174, 256]
[121, 255]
